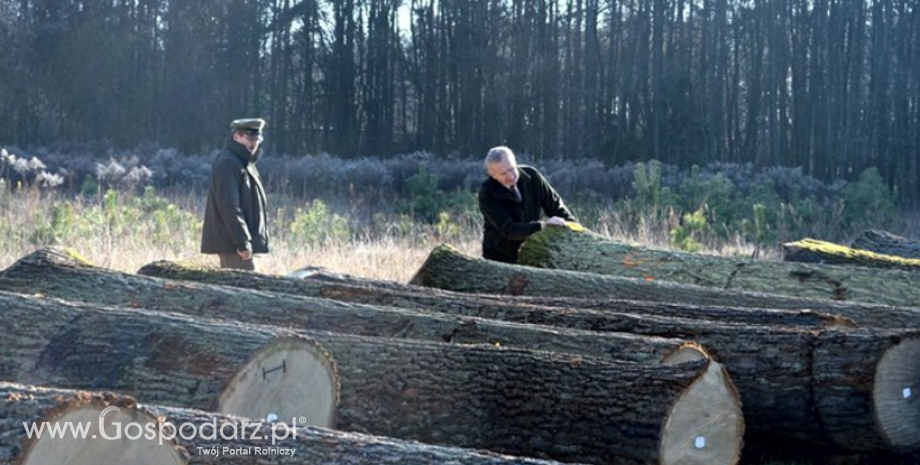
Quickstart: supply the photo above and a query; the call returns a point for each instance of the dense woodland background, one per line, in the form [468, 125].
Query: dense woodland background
[831, 86]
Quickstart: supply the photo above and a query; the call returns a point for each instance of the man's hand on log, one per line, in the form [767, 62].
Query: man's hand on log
[555, 221]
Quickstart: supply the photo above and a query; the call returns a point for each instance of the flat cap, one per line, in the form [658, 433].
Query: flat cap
[250, 125]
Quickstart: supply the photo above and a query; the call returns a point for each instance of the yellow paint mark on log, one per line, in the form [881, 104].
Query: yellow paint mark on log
[576, 227]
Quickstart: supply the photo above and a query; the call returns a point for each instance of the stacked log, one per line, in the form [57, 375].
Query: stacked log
[54, 274]
[561, 248]
[180, 361]
[175, 436]
[815, 251]
[447, 268]
[772, 364]
[886, 243]
[586, 410]
[580, 312]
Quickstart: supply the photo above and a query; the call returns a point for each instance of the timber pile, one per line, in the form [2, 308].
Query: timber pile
[772, 362]
[563, 248]
[193, 442]
[461, 395]
[55, 274]
[886, 243]
[815, 251]
[801, 375]
[470, 272]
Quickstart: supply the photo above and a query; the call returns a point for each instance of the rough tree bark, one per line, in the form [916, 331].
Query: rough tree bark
[447, 268]
[586, 410]
[591, 312]
[176, 361]
[772, 365]
[561, 248]
[814, 251]
[55, 274]
[309, 446]
[886, 243]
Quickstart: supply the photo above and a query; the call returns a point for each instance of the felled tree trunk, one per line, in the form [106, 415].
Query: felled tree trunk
[171, 361]
[886, 243]
[581, 313]
[814, 251]
[447, 268]
[180, 436]
[54, 274]
[585, 410]
[560, 248]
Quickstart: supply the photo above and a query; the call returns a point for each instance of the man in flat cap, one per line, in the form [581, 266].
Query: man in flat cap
[235, 226]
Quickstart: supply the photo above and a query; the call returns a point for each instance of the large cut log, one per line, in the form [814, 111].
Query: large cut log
[593, 314]
[175, 436]
[448, 269]
[562, 248]
[585, 410]
[772, 364]
[886, 243]
[55, 274]
[815, 251]
[182, 361]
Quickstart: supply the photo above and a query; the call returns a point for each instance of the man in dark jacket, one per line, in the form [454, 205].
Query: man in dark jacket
[235, 227]
[511, 201]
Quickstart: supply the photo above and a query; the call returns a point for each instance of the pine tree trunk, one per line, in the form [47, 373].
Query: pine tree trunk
[235, 441]
[54, 274]
[586, 410]
[564, 249]
[886, 243]
[814, 251]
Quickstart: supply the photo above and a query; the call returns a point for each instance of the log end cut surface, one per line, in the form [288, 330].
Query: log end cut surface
[706, 425]
[94, 449]
[288, 378]
[897, 394]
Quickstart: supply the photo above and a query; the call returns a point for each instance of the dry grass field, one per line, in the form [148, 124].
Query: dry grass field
[125, 232]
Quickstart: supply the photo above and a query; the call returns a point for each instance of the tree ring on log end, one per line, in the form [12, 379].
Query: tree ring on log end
[705, 425]
[896, 394]
[130, 441]
[289, 378]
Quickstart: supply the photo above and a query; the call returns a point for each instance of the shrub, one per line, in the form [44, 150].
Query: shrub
[686, 236]
[868, 202]
[317, 226]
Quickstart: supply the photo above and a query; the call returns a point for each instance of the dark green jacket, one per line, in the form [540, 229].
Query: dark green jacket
[507, 221]
[234, 217]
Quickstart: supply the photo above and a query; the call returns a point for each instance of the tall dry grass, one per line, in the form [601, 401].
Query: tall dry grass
[125, 237]
[126, 231]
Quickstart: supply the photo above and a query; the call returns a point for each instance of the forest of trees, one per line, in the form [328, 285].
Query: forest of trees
[832, 86]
